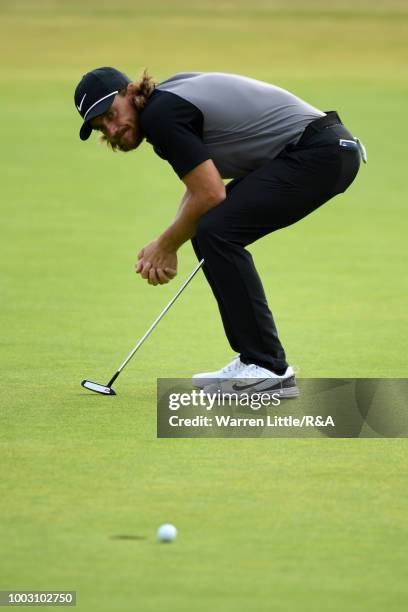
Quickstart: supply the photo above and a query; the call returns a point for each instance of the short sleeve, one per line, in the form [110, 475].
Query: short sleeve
[174, 127]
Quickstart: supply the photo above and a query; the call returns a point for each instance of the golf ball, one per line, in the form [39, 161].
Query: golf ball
[166, 533]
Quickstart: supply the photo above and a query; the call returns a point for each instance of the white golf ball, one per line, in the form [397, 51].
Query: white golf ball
[166, 533]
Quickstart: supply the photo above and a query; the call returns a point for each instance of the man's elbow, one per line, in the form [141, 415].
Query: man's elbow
[205, 200]
[216, 196]
[204, 185]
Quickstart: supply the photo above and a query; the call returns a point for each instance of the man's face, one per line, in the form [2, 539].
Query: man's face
[120, 124]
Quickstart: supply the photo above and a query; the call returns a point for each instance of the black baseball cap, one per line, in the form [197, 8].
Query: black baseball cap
[95, 94]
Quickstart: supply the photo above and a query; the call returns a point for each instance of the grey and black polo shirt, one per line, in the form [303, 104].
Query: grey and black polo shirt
[238, 122]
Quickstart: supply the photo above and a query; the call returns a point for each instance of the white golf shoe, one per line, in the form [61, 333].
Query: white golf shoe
[231, 370]
[255, 379]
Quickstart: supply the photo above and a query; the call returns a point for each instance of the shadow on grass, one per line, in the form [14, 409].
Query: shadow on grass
[128, 537]
[93, 395]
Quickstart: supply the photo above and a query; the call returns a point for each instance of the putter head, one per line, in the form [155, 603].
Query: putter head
[97, 388]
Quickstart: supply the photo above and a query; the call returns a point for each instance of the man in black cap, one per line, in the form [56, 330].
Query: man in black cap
[284, 156]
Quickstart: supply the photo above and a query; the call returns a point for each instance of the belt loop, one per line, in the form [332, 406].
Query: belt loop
[329, 119]
[333, 115]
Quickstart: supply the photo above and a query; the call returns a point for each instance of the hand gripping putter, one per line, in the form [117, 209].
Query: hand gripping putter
[107, 389]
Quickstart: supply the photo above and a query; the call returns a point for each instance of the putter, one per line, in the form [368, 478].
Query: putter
[107, 389]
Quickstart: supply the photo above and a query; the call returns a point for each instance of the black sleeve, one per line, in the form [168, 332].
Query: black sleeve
[174, 127]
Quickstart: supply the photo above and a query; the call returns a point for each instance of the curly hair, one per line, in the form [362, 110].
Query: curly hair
[143, 88]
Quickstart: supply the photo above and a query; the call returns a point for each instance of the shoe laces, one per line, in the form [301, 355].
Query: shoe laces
[253, 371]
[235, 364]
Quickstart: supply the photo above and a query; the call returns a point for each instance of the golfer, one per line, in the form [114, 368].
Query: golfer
[285, 158]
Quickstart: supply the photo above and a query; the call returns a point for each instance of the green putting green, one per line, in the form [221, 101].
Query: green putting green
[283, 525]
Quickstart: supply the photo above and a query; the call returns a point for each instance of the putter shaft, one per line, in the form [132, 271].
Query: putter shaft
[153, 325]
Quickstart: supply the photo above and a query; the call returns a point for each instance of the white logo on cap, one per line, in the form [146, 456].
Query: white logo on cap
[80, 105]
[112, 93]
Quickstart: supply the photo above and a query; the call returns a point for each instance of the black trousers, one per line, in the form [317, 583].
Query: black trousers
[283, 191]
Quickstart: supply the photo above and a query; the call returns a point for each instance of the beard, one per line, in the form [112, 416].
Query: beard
[128, 139]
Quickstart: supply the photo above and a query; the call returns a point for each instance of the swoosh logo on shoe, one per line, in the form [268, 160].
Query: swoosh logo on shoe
[243, 387]
[80, 104]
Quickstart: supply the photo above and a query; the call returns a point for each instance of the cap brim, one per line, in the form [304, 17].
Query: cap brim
[99, 109]
[85, 131]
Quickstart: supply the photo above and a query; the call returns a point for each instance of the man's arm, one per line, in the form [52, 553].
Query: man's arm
[205, 189]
